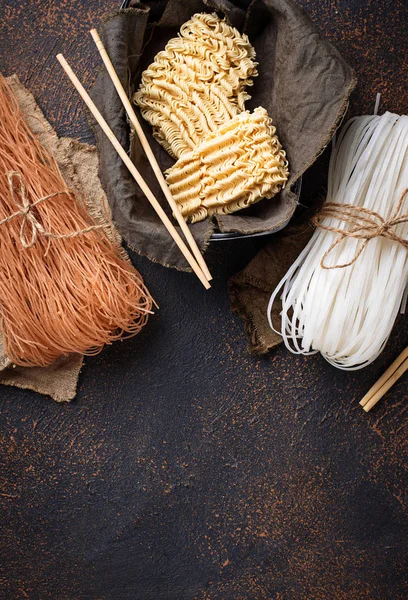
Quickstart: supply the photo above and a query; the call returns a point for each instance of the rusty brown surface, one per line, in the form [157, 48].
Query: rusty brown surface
[187, 469]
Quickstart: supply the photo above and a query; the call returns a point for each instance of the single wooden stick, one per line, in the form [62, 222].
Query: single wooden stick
[386, 381]
[134, 172]
[149, 153]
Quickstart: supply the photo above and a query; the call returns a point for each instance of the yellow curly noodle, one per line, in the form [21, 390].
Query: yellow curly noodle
[196, 83]
[233, 167]
[193, 95]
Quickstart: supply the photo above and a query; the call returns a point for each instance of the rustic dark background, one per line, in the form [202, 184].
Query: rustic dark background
[187, 469]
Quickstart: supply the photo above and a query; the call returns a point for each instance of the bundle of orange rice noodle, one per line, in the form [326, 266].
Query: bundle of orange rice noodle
[64, 285]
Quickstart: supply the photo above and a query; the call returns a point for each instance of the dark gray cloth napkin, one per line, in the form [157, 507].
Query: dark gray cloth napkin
[303, 82]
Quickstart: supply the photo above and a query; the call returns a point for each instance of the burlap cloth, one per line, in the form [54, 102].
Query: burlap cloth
[251, 289]
[303, 82]
[79, 167]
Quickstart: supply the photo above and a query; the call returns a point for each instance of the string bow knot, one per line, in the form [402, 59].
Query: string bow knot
[30, 221]
[365, 224]
[25, 209]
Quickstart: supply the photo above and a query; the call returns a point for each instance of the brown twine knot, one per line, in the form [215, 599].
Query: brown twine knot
[30, 221]
[366, 225]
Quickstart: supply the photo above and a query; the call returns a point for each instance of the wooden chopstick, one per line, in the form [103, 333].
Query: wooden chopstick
[149, 153]
[134, 172]
[386, 381]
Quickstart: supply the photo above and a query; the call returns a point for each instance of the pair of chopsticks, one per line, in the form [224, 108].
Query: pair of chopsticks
[196, 262]
[391, 375]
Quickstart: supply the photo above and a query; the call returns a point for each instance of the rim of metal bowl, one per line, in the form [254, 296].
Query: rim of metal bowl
[223, 237]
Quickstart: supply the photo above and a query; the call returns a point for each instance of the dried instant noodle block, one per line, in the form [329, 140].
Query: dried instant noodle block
[196, 83]
[193, 95]
[234, 167]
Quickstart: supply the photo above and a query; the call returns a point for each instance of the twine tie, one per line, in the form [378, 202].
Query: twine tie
[366, 225]
[30, 221]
